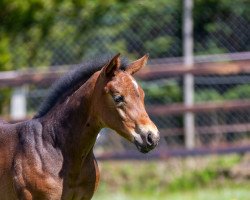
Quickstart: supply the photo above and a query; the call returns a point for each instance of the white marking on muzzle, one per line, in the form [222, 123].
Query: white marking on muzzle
[143, 130]
[137, 137]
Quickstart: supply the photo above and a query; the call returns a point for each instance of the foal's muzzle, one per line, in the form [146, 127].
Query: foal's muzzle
[145, 142]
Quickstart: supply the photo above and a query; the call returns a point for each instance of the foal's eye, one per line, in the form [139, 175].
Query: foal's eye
[118, 98]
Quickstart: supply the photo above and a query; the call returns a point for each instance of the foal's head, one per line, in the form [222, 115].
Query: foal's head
[121, 104]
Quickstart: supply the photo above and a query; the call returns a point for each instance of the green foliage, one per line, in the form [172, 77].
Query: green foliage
[160, 44]
[216, 21]
[24, 24]
[5, 55]
[43, 32]
[234, 93]
[167, 91]
[37, 32]
[208, 95]
[4, 100]
[238, 92]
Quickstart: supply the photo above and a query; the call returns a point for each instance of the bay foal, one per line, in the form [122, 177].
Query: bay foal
[51, 156]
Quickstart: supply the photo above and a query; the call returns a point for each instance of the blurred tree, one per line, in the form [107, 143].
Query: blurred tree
[238, 92]
[162, 92]
[208, 95]
[45, 32]
[221, 26]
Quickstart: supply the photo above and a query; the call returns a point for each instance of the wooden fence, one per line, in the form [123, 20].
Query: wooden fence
[157, 71]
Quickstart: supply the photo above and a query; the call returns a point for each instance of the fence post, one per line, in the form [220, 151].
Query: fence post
[189, 124]
[18, 109]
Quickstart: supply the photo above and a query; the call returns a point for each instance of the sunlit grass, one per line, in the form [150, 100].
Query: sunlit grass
[194, 178]
[226, 193]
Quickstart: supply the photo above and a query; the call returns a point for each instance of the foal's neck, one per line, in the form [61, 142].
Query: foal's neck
[75, 125]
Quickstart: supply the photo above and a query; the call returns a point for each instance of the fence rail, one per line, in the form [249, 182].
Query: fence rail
[165, 154]
[215, 129]
[179, 108]
[153, 71]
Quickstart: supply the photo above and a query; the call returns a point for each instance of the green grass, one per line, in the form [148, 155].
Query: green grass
[225, 193]
[199, 178]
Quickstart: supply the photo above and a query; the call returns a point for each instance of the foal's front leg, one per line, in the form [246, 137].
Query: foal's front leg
[86, 182]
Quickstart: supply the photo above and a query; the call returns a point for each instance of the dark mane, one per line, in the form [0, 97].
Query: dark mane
[81, 73]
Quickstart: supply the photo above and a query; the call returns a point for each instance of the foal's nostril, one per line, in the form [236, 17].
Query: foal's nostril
[150, 139]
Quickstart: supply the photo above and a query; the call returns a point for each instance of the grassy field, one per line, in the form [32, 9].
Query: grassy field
[226, 193]
[204, 178]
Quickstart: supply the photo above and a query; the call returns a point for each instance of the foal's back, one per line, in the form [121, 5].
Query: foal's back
[8, 144]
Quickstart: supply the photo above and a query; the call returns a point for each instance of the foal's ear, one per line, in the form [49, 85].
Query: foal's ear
[137, 65]
[112, 66]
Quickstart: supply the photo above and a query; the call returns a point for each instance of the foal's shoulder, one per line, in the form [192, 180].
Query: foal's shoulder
[27, 133]
[35, 124]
